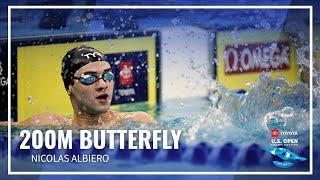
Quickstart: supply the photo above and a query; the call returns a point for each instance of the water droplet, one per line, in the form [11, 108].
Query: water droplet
[273, 120]
[30, 99]
[287, 112]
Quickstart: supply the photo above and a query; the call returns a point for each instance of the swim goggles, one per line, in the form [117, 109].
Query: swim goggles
[88, 79]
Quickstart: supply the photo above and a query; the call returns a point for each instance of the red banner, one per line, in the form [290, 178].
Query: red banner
[126, 72]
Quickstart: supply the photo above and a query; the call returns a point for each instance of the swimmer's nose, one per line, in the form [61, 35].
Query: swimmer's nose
[101, 85]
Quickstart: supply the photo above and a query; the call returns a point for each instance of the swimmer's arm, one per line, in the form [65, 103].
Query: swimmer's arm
[141, 117]
[138, 116]
[44, 119]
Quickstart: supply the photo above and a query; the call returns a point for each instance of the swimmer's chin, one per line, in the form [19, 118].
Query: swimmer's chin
[94, 111]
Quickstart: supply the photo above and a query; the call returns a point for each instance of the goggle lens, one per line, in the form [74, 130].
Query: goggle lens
[88, 79]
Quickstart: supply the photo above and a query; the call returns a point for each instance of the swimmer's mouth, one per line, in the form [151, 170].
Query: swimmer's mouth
[102, 97]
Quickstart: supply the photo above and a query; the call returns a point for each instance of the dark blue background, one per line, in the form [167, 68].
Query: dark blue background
[140, 76]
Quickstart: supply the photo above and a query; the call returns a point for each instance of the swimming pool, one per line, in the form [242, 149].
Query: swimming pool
[226, 131]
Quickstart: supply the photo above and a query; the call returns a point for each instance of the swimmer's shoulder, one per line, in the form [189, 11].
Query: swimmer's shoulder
[138, 116]
[45, 119]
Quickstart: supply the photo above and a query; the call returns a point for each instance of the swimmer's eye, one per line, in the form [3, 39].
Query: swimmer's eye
[108, 76]
[88, 79]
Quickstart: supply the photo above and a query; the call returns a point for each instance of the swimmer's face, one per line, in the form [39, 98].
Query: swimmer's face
[92, 98]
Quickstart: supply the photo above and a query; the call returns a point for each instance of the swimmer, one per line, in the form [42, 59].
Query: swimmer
[89, 82]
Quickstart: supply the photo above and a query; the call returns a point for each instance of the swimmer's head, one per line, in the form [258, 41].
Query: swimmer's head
[77, 58]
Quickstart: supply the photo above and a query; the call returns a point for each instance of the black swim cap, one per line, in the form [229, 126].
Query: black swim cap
[75, 59]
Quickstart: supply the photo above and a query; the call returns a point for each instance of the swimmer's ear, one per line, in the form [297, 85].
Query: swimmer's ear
[69, 90]
[70, 87]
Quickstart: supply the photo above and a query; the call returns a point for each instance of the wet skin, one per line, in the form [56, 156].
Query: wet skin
[91, 104]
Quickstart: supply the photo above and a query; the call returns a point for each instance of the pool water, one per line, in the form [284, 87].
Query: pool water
[240, 116]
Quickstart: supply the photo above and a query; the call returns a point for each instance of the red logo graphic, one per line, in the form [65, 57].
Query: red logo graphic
[126, 76]
[275, 133]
